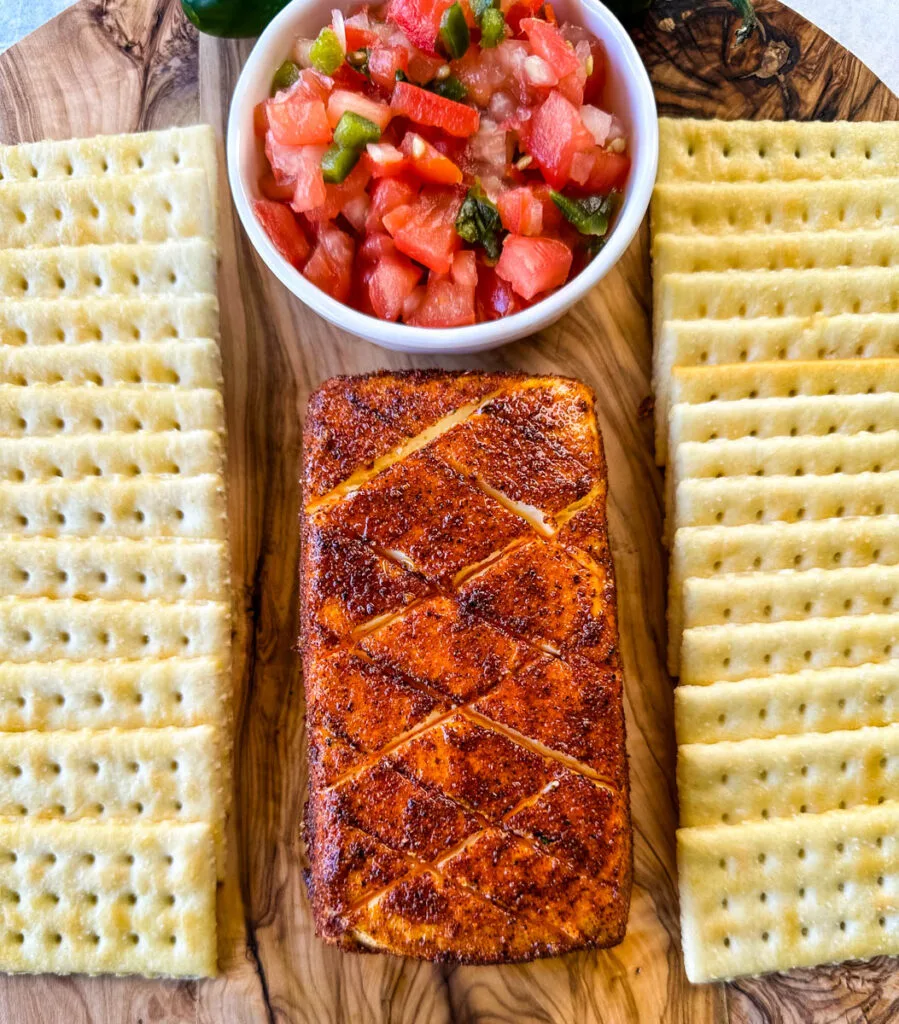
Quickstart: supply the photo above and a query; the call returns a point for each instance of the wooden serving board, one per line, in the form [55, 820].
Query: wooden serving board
[130, 65]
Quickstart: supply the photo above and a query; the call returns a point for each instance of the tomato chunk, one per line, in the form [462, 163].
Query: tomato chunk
[449, 300]
[420, 20]
[534, 265]
[309, 184]
[521, 211]
[387, 195]
[272, 189]
[384, 62]
[598, 170]
[337, 196]
[297, 116]
[282, 228]
[389, 276]
[384, 160]
[547, 42]
[425, 228]
[330, 267]
[596, 80]
[495, 297]
[428, 108]
[554, 135]
[428, 162]
[342, 100]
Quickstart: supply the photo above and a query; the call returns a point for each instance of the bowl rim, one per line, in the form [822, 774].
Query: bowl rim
[447, 340]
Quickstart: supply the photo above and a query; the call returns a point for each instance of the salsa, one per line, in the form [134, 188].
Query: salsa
[441, 162]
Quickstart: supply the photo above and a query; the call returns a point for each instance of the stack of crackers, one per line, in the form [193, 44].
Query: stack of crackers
[776, 321]
[115, 601]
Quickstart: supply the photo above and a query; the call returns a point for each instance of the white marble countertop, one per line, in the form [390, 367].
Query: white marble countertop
[870, 28]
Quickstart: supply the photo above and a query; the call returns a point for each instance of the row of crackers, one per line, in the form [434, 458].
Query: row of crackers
[776, 327]
[114, 569]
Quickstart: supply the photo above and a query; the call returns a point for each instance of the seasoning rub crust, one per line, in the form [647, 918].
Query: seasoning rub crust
[468, 778]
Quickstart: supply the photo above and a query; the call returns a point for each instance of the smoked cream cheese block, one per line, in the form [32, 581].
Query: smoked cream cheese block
[468, 777]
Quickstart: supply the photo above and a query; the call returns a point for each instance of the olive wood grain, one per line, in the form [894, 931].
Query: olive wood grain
[127, 65]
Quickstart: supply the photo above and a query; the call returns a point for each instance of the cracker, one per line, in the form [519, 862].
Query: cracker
[101, 211]
[761, 779]
[43, 629]
[827, 544]
[42, 411]
[711, 654]
[801, 416]
[813, 700]
[693, 384]
[107, 898]
[68, 321]
[96, 271]
[740, 501]
[698, 150]
[185, 364]
[192, 507]
[137, 152]
[112, 775]
[171, 453]
[675, 254]
[785, 594]
[780, 456]
[761, 293]
[127, 570]
[714, 208]
[94, 694]
[830, 885]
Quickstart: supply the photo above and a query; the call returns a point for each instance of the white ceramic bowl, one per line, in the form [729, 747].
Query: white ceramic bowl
[629, 96]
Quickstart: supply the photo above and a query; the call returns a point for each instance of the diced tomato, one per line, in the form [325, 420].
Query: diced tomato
[387, 195]
[330, 266]
[554, 135]
[282, 228]
[425, 228]
[358, 35]
[342, 100]
[420, 20]
[260, 120]
[495, 297]
[296, 120]
[572, 87]
[515, 15]
[533, 265]
[384, 62]
[355, 210]
[521, 211]
[429, 163]
[449, 298]
[271, 189]
[598, 170]
[423, 68]
[337, 196]
[309, 186]
[428, 108]
[388, 275]
[284, 160]
[596, 80]
[547, 42]
[384, 160]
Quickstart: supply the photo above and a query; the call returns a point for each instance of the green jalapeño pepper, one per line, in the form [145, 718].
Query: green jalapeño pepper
[337, 163]
[454, 32]
[326, 53]
[233, 19]
[354, 131]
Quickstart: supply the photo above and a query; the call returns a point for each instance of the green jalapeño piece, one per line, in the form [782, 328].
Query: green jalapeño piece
[493, 27]
[589, 215]
[478, 222]
[454, 31]
[354, 131]
[337, 163]
[285, 76]
[326, 53]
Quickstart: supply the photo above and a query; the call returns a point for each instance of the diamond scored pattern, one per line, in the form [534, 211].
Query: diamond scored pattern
[438, 727]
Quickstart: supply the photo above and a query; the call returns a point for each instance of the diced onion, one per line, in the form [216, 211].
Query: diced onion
[488, 144]
[383, 154]
[339, 26]
[538, 72]
[617, 130]
[501, 107]
[356, 210]
[301, 52]
[597, 122]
